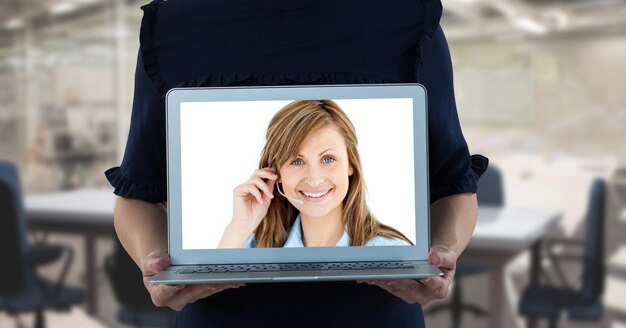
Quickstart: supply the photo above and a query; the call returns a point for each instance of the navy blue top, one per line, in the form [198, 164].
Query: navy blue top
[286, 42]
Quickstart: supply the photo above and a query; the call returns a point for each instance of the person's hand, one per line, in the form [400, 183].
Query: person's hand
[175, 297]
[251, 200]
[425, 290]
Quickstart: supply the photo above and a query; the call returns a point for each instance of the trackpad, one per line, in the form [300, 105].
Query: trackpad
[299, 274]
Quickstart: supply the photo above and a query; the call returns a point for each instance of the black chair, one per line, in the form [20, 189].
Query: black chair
[490, 193]
[582, 303]
[136, 307]
[21, 289]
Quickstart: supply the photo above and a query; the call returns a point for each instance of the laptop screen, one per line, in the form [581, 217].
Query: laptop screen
[357, 176]
[222, 147]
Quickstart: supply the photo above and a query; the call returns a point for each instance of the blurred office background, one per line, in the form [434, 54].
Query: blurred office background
[540, 91]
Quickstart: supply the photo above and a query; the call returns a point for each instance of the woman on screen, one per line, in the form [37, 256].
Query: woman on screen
[309, 188]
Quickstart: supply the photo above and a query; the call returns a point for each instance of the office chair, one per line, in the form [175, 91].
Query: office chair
[582, 303]
[21, 289]
[136, 307]
[490, 193]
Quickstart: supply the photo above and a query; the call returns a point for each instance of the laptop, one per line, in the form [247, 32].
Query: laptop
[217, 140]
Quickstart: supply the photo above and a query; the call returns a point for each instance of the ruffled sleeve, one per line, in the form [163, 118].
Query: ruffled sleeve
[130, 189]
[142, 174]
[464, 183]
[452, 169]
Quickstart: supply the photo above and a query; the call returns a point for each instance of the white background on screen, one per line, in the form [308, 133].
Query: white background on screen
[222, 141]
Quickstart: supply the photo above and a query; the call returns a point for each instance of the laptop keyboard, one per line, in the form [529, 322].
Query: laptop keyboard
[295, 267]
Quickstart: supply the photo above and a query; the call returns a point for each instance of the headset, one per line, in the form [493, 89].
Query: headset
[294, 200]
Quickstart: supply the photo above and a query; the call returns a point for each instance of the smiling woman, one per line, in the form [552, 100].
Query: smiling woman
[311, 159]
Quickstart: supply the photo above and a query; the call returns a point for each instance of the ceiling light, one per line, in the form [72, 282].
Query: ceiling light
[62, 8]
[530, 25]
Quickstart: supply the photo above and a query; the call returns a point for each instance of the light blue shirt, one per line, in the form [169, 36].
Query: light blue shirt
[295, 238]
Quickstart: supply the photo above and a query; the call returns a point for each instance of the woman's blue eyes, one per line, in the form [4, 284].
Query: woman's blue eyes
[325, 160]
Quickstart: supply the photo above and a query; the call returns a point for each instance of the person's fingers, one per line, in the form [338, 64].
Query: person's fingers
[155, 262]
[205, 294]
[187, 295]
[264, 174]
[217, 289]
[412, 291]
[395, 289]
[442, 257]
[199, 291]
[437, 287]
[434, 258]
[254, 191]
[161, 295]
[267, 200]
[270, 185]
[404, 284]
[196, 292]
[262, 185]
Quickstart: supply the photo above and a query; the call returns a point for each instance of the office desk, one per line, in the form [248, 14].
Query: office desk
[500, 235]
[88, 212]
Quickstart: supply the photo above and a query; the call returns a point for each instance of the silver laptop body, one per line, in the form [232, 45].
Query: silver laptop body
[204, 133]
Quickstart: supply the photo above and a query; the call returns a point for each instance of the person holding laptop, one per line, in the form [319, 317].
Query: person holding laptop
[310, 159]
[276, 42]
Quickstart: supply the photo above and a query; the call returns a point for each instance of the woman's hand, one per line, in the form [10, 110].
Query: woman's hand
[425, 290]
[175, 297]
[251, 200]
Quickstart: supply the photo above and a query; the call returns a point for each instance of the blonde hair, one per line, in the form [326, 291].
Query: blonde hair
[285, 133]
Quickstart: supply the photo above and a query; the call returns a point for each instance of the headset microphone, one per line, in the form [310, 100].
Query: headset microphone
[295, 200]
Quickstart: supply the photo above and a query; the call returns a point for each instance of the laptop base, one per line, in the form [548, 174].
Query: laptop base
[291, 272]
